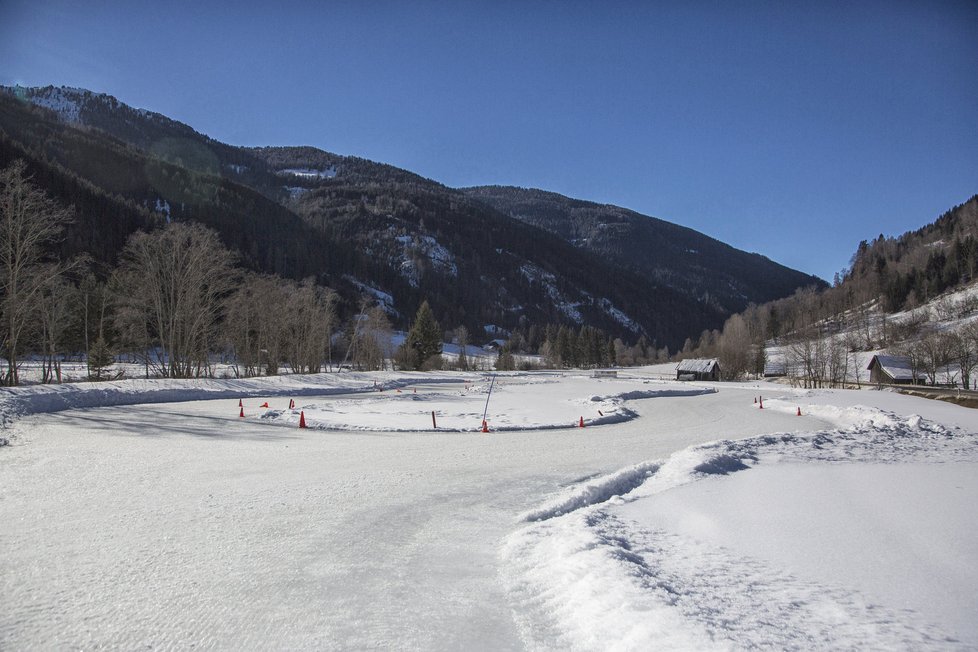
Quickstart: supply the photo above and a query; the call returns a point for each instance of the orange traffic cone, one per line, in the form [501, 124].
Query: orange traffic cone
[264, 405]
[580, 424]
[755, 400]
[302, 419]
[799, 412]
[242, 413]
[240, 404]
[761, 403]
[485, 426]
[291, 404]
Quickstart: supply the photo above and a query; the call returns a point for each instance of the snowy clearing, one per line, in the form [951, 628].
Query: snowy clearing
[149, 514]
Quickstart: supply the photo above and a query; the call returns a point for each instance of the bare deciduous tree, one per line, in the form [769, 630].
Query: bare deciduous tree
[735, 348]
[837, 360]
[254, 323]
[806, 353]
[964, 355]
[968, 351]
[53, 318]
[169, 286]
[374, 346]
[937, 349]
[308, 329]
[30, 221]
[462, 337]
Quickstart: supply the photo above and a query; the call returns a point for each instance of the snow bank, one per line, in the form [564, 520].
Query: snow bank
[384, 401]
[902, 533]
[519, 402]
[575, 585]
[17, 402]
[588, 570]
[593, 492]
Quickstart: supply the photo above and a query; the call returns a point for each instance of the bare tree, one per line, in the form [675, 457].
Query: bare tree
[462, 337]
[936, 350]
[255, 323]
[964, 354]
[93, 299]
[374, 341]
[735, 348]
[170, 285]
[708, 346]
[355, 332]
[805, 352]
[851, 341]
[838, 360]
[53, 318]
[308, 326]
[29, 223]
[969, 342]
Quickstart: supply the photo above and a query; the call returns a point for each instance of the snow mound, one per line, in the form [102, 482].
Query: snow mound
[650, 589]
[594, 491]
[654, 393]
[580, 576]
[17, 402]
[519, 402]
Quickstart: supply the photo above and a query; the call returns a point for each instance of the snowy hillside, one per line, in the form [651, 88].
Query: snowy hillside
[872, 332]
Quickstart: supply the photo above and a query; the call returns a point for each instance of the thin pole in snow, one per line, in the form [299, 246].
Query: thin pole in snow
[486, 411]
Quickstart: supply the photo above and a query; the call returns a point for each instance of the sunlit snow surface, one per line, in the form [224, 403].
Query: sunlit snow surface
[681, 516]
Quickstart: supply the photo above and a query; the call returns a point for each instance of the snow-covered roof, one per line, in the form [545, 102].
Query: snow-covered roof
[697, 366]
[896, 367]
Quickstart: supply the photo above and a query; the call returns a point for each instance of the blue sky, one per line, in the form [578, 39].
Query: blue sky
[791, 129]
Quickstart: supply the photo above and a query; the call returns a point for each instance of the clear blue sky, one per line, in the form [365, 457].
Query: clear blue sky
[791, 129]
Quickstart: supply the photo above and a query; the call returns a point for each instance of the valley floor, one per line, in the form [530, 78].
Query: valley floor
[179, 524]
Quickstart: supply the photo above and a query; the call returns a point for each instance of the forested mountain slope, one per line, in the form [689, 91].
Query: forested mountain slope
[660, 251]
[914, 267]
[356, 225]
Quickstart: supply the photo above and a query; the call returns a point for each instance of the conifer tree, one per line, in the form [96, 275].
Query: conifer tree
[425, 336]
[100, 358]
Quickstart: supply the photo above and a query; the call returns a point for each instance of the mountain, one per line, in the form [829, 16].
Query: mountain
[360, 226]
[659, 251]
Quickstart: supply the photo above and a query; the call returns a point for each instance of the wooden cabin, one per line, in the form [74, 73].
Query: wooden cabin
[698, 370]
[893, 370]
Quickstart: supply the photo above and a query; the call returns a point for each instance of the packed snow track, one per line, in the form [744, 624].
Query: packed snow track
[181, 524]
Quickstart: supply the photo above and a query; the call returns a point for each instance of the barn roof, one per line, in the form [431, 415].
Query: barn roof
[896, 367]
[697, 366]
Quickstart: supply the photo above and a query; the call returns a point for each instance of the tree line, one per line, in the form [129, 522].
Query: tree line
[177, 304]
[820, 333]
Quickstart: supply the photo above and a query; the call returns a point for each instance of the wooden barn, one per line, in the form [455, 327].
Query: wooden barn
[698, 370]
[892, 370]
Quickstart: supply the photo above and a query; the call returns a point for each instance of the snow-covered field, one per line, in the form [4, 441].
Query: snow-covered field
[149, 514]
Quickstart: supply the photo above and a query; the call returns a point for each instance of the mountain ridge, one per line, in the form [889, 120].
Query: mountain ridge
[377, 225]
[659, 250]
